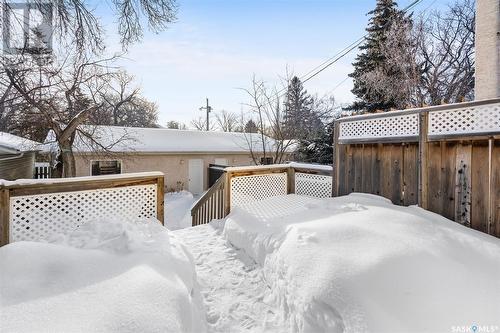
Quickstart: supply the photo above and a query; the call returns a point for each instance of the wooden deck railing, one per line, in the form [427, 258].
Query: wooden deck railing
[240, 185]
[212, 205]
[37, 209]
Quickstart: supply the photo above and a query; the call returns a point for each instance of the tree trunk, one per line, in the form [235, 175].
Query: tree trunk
[68, 161]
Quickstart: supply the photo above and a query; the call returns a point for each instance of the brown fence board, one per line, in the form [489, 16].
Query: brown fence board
[357, 158]
[385, 170]
[397, 174]
[495, 195]
[410, 174]
[367, 169]
[479, 194]
[376, 168]
[434, 177]
[448, 164]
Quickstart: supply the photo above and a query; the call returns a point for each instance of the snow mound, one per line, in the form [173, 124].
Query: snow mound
[107, 276]
[360, 264]
[178, 209]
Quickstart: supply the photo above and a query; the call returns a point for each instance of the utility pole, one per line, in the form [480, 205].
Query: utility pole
[208, 108]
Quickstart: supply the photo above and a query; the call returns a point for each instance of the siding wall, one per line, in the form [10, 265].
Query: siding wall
[13, 167]
[175, 167]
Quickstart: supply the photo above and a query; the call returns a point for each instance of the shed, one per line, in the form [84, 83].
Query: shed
[17, 157]
[182, 155]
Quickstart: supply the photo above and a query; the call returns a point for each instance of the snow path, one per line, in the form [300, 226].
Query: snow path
[236, 296]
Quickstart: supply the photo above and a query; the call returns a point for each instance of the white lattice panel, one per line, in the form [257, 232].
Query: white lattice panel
[245, 189]
[313, 185]
[383, 127]
[36, 217]
[472, 120]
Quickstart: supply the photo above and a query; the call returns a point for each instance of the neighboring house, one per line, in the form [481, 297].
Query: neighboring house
[184, 156]
[17, 157]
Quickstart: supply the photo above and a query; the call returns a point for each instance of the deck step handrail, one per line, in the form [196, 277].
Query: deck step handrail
[211, 205]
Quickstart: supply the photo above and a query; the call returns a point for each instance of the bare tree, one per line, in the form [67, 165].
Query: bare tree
[77, 20]
[228, 121]
[122, 104]
[59, 97]
[265, 105]
[200, 124]
[446, 53]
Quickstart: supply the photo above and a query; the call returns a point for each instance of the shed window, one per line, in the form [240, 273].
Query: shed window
[106, 167]
[266, 160]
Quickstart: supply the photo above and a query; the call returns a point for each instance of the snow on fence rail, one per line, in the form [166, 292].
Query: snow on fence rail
[37, 209]
[242, 185]
[444, 158]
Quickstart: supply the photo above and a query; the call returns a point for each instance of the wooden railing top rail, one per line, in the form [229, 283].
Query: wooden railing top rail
[208, 193]
[51, 185]
[276, 168]
[419, 110]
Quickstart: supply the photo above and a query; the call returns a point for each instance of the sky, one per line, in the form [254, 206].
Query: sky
[216, 46]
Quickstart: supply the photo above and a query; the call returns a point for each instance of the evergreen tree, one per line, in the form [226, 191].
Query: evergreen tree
[299, 120]
[251, 127]
[319, 149]
[372, 59]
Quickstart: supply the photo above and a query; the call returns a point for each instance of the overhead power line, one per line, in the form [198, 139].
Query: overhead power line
[339, 55]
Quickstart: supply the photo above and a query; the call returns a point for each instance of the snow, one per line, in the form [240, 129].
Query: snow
[311, 166]
[178, 209]
[237, 298]
[17, 143]
[161, 140]
[359, 264]
[107, 276]
[85, 179]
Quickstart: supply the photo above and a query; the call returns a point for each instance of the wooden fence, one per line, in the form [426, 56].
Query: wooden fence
[241, 185]
[445, 159]
[37, 209]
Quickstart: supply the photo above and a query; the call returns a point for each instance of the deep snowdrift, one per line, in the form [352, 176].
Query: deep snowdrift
[178, 209]
[358, 263]
[107, 276]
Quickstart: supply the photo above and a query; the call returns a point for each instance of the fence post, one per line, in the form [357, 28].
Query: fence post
[227, 193]
[160, 197]
[4, 216]
[335, 162]
[490, 204]
[290, 180]
[423, 118]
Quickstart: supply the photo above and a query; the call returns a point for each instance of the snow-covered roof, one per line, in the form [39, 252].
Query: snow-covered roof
[161, 140]
[12, 144]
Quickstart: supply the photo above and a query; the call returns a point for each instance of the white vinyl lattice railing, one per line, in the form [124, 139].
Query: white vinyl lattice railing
[398, 126]
[246, 189]
[40, 209]
[319, 186]
[444, 121]
[241, 185]
[482, 119]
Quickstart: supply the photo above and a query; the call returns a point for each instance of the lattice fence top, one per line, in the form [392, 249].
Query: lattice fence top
[36, 217]
[405, 125]
[471, 120]
[245, 189]
[318, 186]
